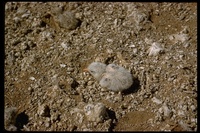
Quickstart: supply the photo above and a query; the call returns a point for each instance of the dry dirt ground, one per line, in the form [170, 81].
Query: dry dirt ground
[47, 46]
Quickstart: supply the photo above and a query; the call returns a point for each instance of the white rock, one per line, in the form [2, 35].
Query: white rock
[65, 45]
[26, 15]
[166, 110]
[193, 108]
[156, 100]
[181, 37]
[32, 78]
[16, 19]
[181, 113]
[62, 65]
[155, 49]
[96, 112]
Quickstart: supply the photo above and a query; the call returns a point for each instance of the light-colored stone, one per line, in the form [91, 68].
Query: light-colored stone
[96, 112]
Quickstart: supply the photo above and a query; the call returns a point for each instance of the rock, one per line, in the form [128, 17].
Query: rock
[167, 111]
[10, 118]
[156, 100]
[67, 20]
[43, 110]
[155, 49]
[181, 37]
[184, 126]
[47, 124]
[96, 112]
[11, 128]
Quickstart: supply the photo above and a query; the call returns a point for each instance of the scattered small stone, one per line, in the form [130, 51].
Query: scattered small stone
[156, 100]
[32, 78]
[155, 49]
[62, 65]
[44, 110]
[167, 111]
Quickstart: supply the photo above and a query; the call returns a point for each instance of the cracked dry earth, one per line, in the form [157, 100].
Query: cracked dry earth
[47, 46]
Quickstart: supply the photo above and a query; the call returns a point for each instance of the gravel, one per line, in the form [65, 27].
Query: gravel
[48, 44]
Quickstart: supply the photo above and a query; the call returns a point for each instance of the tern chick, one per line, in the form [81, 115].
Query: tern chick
[96, 69]
[112, 77]
[116, 78]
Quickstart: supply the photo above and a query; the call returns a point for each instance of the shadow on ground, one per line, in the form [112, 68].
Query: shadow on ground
[134, 87]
